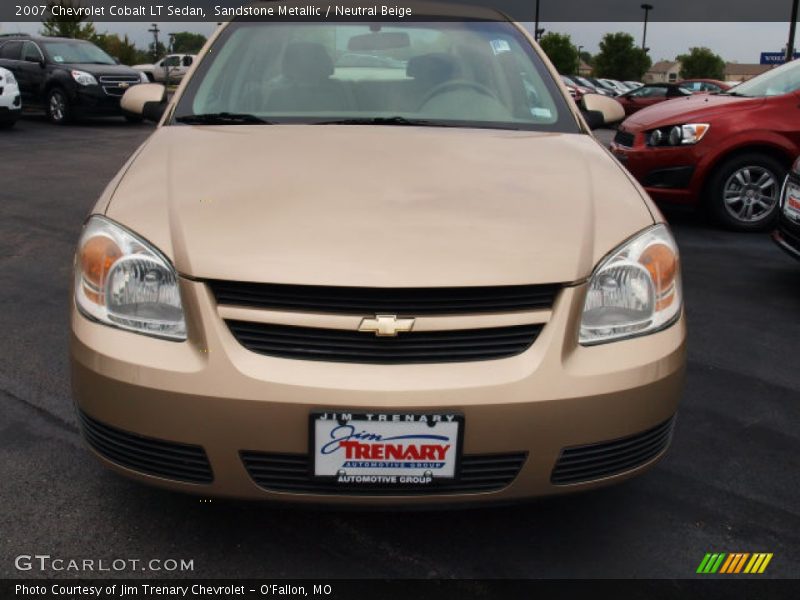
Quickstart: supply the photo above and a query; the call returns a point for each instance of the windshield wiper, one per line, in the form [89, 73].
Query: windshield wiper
[222, 118]
[398, 120]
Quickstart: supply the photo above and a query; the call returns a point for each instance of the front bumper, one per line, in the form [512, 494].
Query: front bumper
[787, 236]
[669, 175]
[92, 100]
[212, 393]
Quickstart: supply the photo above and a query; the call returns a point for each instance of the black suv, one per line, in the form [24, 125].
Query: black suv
[66, 77]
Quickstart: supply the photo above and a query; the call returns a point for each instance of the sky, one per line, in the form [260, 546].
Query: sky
[736, 42]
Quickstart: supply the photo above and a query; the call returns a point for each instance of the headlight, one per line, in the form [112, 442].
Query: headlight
[84, 78]
[635, 291]
[10, 79]
[143, 77]
[678, 135]
[121, 280]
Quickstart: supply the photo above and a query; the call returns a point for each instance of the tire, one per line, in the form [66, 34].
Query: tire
[133, 119]
[58, 108]
[7, 124]
[150, 76]
[745, 192]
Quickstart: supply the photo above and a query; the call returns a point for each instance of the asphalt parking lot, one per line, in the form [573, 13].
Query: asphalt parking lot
[730, 483]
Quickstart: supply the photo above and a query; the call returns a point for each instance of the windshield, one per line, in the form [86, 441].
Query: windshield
[783, 80]
[77, 52]
[482, 74]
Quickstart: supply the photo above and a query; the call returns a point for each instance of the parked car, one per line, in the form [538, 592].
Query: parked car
[173, 65]
[603, 85]
[575, 90]
[616, 85]
[10, 99]
[650, 94]
[593, 89]
[728, 152]
[787, 233]
[266, 307]
[582, 89]
[66, 77]
[711, 86]
[633, 84]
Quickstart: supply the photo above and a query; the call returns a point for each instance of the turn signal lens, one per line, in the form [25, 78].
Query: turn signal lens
[97, 256]
[662, 265]
[121, 280]
[635, 291]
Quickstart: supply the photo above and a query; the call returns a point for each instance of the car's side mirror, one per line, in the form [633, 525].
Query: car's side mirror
[147, 100]
[601, 110]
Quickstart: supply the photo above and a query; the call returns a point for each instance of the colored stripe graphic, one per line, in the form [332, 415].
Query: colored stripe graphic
[734, 563]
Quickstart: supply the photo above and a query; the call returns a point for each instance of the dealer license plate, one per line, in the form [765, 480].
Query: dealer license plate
[386, 449]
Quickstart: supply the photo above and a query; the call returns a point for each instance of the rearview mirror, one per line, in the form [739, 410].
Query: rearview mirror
[379, 40]
[147, 100]
[601, 110]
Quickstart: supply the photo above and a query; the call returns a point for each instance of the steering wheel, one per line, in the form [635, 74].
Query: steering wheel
[454, 84]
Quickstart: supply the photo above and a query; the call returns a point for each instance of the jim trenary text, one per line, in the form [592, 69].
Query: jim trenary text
[144, 590]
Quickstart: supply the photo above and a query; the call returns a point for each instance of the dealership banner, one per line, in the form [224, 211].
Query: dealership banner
[390, 589]
[520, 10]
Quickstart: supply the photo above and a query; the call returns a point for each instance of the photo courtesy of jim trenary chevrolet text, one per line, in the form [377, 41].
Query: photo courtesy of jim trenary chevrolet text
[425, 298]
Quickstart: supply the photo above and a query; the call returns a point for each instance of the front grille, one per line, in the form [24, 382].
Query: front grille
[292, 473]
[369, 301]
[624, 138]
[340, 345]
[173, 460]
[117, 85]
[595, 461]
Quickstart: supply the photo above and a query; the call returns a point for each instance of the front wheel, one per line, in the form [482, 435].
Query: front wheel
[133, 119]
[58, 107]
[745, 192]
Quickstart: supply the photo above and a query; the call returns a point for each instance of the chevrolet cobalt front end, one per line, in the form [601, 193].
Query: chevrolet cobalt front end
[379, 263]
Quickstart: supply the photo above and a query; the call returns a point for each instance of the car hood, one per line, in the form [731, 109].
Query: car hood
[378, 206]
[697, 107]
[101, 69]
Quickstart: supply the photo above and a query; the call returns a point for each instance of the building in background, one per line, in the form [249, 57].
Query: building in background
[739, 72]
[664, 71]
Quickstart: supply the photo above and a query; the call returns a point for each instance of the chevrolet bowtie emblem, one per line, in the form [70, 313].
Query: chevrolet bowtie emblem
[386, 325]
[124, 85]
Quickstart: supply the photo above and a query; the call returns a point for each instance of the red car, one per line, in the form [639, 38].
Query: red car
[710, 86]
[728, 152]
[647, 95]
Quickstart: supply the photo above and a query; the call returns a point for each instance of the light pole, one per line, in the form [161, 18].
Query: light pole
[537, 32]
[155, 31]
[792, 24]
[578, 68]
[647, 8]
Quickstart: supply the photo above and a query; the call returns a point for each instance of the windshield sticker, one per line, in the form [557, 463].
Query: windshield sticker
[499, 46]
[58, 59]
[541, 113]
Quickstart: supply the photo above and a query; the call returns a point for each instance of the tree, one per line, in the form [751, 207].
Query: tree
[620, 58]
[560, 50]
[587, 57]
[70, 26]
[120, 48]
[185, 42]
[702, 63]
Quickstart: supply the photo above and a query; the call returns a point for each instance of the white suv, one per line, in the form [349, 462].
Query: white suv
[10, 101]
